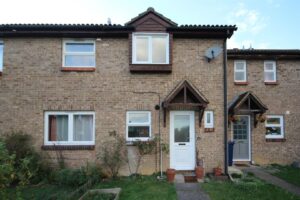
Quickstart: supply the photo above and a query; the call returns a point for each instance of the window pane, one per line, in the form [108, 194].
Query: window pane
[269, 76]
[138, 118]
[80, 60]
[273, 130]
[159, 49]
[142, 49]
[273, 120]
[269, 66]
[58, 128]
[208, 118]
[83, 128]
[138, 131]
[79, 47]
[182, 128]
[1, 57]
[239, 76]
[239, 66]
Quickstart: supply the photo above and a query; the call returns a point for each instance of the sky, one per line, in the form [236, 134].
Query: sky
[271, 24]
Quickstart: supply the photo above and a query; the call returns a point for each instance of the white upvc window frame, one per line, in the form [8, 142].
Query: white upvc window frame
[211, 124]
[131, 139]
[70, 128]
[149, 36]
[1, 56]
[239, 70]
[281, 125]
[81, 41]
[274, 70]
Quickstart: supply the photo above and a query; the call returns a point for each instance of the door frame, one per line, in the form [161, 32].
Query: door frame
[249, 137]
[193, 143]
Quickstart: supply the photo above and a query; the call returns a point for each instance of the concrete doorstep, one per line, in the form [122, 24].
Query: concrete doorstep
[188, 191]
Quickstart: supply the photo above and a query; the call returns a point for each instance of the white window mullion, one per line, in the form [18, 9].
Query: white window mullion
[71, 121]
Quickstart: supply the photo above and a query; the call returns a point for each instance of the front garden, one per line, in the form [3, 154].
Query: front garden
[248, 188]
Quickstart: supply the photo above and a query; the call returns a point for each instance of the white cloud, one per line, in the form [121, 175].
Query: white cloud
[247, 20]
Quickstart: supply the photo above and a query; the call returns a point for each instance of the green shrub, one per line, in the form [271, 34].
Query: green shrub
[28, 167]
[77, 177]
[7, 171]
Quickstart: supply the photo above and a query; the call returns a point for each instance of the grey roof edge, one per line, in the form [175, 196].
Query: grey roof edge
[262, 51]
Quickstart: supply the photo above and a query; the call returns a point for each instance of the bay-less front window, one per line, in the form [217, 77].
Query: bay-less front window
[138, 125]
[240, 71]
[270, 71]
[150, 48]
[274, 126]
[79, 53]
[1, 56]
[74, 128]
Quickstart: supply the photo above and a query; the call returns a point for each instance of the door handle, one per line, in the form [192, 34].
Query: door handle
[181, 143]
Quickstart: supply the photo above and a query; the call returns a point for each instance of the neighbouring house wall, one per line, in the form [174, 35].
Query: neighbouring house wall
[32, 83]
[282, 99]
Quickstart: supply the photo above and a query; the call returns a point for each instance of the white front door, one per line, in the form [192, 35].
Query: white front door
[182, 140]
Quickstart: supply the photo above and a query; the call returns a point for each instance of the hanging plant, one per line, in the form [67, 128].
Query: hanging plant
[233, 118]
[261, 118]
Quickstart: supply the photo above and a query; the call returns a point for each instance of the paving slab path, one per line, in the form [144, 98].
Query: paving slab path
[190, 191]
[262, 174]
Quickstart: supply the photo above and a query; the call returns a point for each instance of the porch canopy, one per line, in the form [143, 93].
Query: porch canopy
[247, 103]
[185, 97]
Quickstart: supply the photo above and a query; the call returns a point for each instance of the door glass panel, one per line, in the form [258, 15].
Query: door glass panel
[240, 129]
[182, 128]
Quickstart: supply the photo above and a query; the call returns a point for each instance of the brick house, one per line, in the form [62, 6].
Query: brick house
[70, 86]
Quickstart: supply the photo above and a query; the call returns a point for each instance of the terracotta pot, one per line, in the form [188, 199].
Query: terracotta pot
[199, 172]
[217, 171]
[171, 175]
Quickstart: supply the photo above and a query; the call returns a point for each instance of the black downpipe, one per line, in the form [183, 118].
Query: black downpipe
[225, 105]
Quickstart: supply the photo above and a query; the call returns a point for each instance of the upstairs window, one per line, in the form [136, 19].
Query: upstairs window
[150, 48]
[1, 56]
[274, 126]
[79, 54]
[69, 128]
[240, 71]
[270, 71]
[138, 125]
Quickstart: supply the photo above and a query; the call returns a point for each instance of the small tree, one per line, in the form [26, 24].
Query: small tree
[113, 154]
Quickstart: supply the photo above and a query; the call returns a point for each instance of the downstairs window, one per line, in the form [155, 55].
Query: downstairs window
[69, 128]
[274, 126]
[138, 125]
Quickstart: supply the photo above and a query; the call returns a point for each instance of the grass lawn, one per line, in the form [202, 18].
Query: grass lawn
[145, 188]
[287, 173]
[250, 188]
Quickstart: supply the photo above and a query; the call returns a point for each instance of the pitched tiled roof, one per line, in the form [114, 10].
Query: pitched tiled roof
[151, 10]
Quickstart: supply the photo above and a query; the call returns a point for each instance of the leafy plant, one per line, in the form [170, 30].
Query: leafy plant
[7, 170]
[113, 154]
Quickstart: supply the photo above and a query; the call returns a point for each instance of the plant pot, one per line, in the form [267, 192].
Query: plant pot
[217, 171]
[171, 175]
[199, 172]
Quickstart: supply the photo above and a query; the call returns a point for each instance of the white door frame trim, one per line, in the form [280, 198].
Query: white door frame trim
[249, 136]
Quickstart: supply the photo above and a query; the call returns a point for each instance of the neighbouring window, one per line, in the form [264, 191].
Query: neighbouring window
[1, 56]
[69, 128]
[208, 119]
[240, 71]
[150, 48]
[274, 126]
[138, 125]
[270, 71]
[79, 53]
